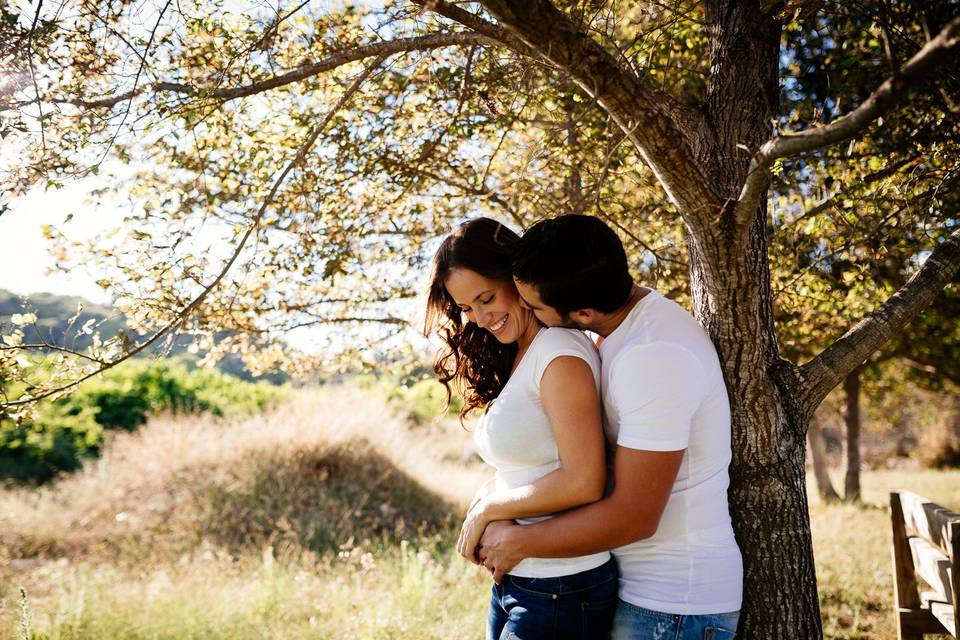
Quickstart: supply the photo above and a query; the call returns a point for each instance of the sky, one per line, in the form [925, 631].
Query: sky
[26, 265]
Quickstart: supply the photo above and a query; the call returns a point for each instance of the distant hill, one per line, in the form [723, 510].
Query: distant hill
[54, 312]
[53, 327]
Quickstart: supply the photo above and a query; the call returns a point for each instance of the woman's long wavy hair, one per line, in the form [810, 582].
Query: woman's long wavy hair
[473, 361]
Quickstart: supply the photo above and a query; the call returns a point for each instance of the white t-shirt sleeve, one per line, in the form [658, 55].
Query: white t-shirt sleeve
[556, 342]
[656, 388]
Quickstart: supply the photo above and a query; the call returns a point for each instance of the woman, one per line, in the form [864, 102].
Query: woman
[540, 430]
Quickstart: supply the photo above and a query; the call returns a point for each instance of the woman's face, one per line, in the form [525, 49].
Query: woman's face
[492, 305]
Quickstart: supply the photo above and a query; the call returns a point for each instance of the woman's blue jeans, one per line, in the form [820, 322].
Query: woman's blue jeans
[574, 607]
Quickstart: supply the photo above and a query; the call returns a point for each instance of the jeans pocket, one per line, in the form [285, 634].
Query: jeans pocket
[597, 618]
[718, 633]
[543, 587]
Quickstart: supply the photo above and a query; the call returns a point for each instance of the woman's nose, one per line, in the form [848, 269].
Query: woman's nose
[483, 318]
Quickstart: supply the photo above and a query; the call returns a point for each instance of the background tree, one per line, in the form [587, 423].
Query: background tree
[292, 169]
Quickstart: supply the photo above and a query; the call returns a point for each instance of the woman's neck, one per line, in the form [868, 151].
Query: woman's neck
[525, 340]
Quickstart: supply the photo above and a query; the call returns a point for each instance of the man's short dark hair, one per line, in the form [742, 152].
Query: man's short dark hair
[575, 262]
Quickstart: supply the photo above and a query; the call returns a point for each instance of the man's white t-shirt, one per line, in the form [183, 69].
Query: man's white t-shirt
[663, 390]
[516, 438]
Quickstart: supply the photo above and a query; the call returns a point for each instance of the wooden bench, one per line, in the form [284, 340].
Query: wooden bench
[926, 567]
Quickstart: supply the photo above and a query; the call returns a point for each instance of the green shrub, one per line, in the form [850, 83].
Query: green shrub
[425, 400]
[64, 431]
[57, 439]
[126, 395]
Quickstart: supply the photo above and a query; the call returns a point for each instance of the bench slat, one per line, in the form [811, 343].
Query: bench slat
[926, 545]
[933, 566]
[944, 613]
[928, 520]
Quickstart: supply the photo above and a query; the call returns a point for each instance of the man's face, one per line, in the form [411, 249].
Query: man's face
[530, 298]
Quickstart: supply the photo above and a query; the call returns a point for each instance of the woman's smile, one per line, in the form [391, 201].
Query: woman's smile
[497, 327]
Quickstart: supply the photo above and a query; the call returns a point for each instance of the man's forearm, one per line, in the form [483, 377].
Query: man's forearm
[642, 487]
[595, 527]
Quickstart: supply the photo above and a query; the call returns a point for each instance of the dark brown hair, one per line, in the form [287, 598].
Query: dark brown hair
[473, 360]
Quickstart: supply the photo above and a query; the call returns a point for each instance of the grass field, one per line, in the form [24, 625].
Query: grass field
[331, 517]
[853, 554]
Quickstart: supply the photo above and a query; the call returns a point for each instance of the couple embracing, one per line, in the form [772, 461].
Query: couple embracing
[608, 510]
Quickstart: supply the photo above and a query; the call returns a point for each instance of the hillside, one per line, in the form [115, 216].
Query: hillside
[53, 327]
[53, 315]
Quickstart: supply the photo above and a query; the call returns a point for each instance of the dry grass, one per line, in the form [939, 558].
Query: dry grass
[316, 471]
[852, 550]
[330, 517]
[284, 525]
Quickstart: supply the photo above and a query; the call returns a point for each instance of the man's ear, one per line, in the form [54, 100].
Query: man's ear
[583, 317]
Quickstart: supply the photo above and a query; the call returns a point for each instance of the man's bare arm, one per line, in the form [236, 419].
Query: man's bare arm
[643, 483]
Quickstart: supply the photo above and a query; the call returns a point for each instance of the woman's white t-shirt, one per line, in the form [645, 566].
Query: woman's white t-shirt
[516, 438]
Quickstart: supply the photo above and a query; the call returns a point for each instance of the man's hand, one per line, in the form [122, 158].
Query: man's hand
[499, 550]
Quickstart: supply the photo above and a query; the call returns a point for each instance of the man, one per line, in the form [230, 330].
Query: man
[667, 412]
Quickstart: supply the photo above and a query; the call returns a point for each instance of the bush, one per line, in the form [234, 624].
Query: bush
[64, 431]
[125, 396]
[424, 400]
[56, 439]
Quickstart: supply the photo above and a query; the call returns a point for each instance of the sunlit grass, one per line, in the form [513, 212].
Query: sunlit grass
[407, 592]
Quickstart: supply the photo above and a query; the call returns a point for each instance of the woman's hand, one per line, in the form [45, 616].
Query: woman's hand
[485, 489]
[473, 527]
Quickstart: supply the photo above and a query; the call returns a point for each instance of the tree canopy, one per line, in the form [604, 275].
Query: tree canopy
[205, 105]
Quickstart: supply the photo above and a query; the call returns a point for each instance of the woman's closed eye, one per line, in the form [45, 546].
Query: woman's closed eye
[490, 298]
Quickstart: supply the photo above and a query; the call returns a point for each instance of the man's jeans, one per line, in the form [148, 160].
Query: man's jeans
[636, 623]
[573, 607]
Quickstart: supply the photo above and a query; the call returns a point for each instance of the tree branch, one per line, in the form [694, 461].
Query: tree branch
[136, 81]
[826, 370]
[915, 71]
[653, 120]
[254, 225]
[478, 25]
[390, 47]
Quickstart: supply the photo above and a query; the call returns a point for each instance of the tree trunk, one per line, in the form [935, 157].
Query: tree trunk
[851, 485]
[768, 499]
[818, 453]
[730, 282]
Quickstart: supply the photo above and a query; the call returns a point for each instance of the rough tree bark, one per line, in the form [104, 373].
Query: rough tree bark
[732, 299]
[851, 388]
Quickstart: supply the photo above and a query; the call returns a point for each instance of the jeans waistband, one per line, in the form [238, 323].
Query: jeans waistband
[573, 582]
